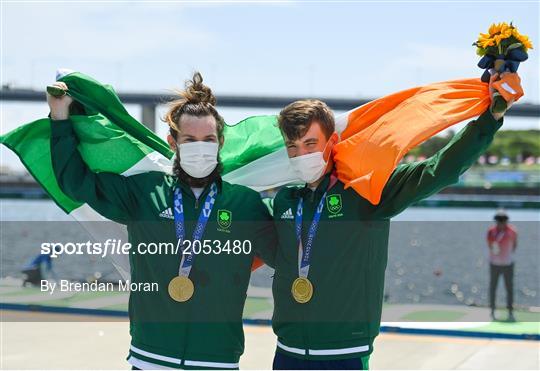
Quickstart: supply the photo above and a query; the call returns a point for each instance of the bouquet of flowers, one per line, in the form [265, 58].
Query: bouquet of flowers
[501, 49]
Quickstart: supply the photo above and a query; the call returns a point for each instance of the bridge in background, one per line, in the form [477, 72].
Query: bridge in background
[22, 185]
[149, 102]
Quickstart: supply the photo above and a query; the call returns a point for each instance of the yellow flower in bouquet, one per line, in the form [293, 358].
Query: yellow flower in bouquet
[495, 28]
[499, 37]
[505, 33]
[502, 49]
[485, 40]
[523, 39]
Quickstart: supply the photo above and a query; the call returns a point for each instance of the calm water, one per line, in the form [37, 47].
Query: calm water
[436, 255]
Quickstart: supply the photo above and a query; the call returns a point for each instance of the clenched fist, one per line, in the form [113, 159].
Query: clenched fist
[59, 105]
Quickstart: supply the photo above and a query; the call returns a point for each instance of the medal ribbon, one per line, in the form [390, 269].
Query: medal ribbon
[304, 254]
[187, 259]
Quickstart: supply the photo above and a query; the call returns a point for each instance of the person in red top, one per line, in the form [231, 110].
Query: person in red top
[502, 242]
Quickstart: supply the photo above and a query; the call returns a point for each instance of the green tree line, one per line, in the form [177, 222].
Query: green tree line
[514, 144]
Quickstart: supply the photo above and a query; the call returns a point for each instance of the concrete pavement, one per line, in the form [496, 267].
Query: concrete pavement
[50, 342]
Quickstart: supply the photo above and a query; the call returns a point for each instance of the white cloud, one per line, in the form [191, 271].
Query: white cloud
[37, 35]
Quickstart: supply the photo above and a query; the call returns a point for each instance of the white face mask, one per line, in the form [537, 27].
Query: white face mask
[309, 167]
[198, 159]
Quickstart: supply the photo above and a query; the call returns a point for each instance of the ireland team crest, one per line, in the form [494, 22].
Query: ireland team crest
[333, 203]
[224, 218]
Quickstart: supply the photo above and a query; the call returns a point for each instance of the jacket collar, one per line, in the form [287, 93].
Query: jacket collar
[321, 188]
[186, 189]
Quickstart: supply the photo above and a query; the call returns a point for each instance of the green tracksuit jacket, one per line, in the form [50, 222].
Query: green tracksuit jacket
[205, 331]
[349, 254]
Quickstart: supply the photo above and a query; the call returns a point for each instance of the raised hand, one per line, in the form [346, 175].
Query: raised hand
[59, 105]
[492, 90]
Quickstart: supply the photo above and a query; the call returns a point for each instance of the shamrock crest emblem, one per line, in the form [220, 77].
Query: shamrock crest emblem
[224, 218]
[334, 203]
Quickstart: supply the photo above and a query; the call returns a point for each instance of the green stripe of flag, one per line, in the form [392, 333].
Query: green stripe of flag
[110, 140]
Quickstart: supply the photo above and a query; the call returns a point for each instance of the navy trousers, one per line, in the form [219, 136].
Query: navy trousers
[286, 362]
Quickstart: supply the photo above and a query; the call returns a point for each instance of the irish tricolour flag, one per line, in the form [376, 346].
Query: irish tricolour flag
[374, 138]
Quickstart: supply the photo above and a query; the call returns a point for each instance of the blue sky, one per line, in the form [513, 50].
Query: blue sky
[333, 49]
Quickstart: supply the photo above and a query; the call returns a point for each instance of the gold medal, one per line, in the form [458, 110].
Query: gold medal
[302, 290]
[181, 288]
